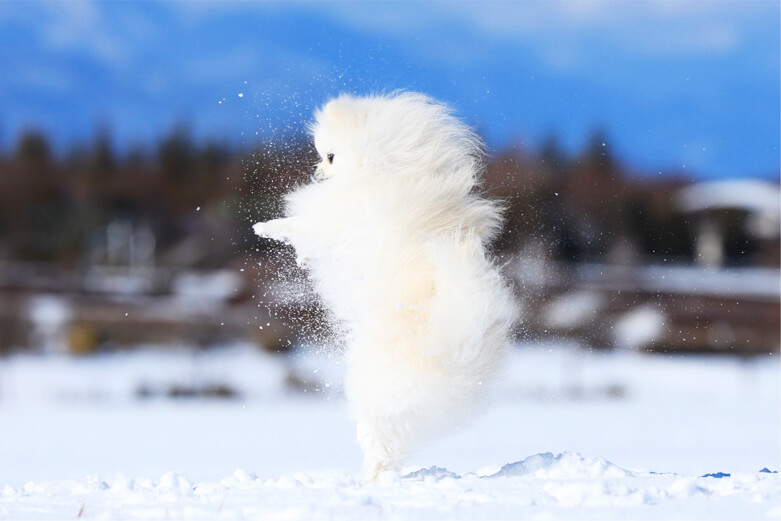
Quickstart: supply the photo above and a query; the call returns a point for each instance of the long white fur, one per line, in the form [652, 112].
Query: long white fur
[394, 234]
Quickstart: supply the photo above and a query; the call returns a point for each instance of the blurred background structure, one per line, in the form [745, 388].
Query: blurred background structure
[637, 147]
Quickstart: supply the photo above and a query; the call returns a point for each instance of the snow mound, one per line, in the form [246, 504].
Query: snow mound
[567, 465]
[431, 474]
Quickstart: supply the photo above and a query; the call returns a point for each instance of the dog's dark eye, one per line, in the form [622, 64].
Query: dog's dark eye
[330, 158]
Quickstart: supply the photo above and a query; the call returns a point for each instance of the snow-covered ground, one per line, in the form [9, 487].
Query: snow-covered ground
[567, 434]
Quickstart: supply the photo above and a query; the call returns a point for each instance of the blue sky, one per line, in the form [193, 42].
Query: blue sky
[686, 87]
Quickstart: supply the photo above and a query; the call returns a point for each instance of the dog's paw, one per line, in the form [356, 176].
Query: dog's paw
[379, 471]
[387, 478]
[259, 229]
[278, 229]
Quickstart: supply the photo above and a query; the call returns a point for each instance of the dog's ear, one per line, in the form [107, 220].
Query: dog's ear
[345, 111]
[334, 112]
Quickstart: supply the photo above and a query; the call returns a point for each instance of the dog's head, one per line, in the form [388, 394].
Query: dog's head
[396, 134]
[337, 131]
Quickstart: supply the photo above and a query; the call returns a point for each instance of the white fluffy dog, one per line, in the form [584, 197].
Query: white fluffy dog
[394, 233]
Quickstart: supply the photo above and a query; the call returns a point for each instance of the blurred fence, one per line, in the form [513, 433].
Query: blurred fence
[653, 308]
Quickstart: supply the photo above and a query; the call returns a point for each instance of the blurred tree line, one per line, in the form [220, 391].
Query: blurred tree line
[198, 200]
[587, 207]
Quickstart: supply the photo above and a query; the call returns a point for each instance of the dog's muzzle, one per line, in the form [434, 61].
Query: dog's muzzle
[318, 175]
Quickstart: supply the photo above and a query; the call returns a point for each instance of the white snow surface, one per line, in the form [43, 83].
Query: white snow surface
[567, 434]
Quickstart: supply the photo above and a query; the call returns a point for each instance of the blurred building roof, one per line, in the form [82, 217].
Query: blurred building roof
[750, 194]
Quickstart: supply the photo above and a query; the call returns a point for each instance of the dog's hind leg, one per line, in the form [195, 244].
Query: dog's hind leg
[382, 448]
